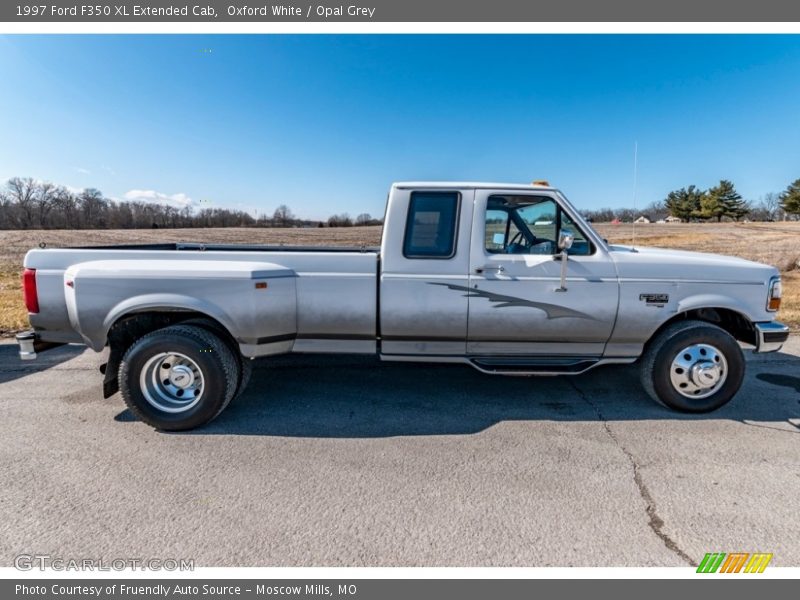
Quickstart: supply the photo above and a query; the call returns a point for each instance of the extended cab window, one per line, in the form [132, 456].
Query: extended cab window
[529, 225]
[431, 225]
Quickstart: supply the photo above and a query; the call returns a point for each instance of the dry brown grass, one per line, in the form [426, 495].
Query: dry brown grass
[13, 316]
[772, 243]
[14, 244]
[776, 244]
[790, 305]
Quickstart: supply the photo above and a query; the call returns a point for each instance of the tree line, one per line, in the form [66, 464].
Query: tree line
[26, 203]
[719, 202]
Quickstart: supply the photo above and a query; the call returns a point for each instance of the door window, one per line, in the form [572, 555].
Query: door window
[529, 225]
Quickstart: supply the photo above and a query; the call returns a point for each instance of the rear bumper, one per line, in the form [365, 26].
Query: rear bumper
[30, 344]
[770, 336]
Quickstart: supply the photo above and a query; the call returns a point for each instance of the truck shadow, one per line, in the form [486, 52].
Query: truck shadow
[353, 397]
[11, 367]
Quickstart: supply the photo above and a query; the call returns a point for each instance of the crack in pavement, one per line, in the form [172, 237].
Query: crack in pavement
[655, 522]
[751, 424]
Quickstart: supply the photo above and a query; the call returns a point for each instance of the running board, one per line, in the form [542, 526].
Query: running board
[517, 365]
[545, 365]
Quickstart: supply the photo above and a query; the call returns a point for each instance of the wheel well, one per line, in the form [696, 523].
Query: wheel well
[129, 328]
[735, 323]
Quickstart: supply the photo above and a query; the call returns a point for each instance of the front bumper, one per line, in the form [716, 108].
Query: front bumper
[30, 344]
[770, 336]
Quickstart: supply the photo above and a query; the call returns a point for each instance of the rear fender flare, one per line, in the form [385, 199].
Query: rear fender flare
[161, 302]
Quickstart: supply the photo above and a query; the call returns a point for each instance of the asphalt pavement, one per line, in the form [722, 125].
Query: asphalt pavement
[347, 461]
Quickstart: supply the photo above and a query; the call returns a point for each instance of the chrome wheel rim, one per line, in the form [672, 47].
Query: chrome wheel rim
[172, 382]
[698, 371]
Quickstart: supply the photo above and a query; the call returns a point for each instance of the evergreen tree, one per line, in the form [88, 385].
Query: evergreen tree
[684, 203]
[790, 199]
[727, 201]
[710, 207]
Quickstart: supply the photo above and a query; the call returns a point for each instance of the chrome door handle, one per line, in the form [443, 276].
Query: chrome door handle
[484, 268]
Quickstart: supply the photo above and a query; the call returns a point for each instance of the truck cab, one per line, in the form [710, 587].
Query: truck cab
[482, 264]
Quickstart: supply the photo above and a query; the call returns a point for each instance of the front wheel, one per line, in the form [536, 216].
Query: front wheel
[178, 378]
[692, 366]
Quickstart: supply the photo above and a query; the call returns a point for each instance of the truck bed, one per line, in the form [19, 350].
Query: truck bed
[330, 301]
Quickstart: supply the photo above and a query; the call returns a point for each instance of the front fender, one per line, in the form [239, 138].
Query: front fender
[638, 320]
[714, 300]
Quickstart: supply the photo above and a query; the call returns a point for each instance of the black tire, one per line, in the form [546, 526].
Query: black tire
[245, 364]
[217, 368]
[656, 365]
[246, 372]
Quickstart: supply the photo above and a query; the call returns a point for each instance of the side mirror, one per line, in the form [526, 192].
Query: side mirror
[565, 239]
[499, 239]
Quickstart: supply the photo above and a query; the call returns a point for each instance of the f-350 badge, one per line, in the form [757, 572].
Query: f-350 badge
[654, 299]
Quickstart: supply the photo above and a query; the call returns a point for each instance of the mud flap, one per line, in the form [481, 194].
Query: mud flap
[110, 370]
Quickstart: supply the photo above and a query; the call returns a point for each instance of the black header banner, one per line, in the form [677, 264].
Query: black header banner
[465, 11]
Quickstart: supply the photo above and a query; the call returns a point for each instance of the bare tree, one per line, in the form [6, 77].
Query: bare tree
[22, 193]
[602, 215]
[122, 216]
[772, 205]
[656, 210]
[626, 215]
[283, 216]
[6, 211]
[43, 201]
[65, 206]
[93, 207]
[342, 220]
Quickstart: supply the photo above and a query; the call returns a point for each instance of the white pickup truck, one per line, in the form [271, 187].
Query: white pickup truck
[506, 278]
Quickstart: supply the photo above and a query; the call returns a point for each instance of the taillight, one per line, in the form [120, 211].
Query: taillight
[29, 290]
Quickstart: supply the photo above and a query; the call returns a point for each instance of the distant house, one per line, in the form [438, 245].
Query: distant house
[642, 219]
[671, 219]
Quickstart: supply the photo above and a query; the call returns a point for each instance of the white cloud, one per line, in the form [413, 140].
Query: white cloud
[179, 200]
[83, 171]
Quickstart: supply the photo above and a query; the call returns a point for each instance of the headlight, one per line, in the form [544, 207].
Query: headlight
[774, 294]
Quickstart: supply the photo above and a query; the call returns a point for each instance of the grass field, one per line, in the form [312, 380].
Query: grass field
[777, 244]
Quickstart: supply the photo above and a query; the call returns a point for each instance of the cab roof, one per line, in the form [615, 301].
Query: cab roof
[471, 185]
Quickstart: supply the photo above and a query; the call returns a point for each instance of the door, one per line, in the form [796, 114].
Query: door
[516, 306]
[426, 251]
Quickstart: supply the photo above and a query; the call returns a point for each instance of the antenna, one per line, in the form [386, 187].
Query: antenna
[635, 176]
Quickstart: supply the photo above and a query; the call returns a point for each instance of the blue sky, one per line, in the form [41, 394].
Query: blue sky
[326, 123]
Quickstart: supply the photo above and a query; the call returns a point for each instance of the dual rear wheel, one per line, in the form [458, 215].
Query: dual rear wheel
[183, 376]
